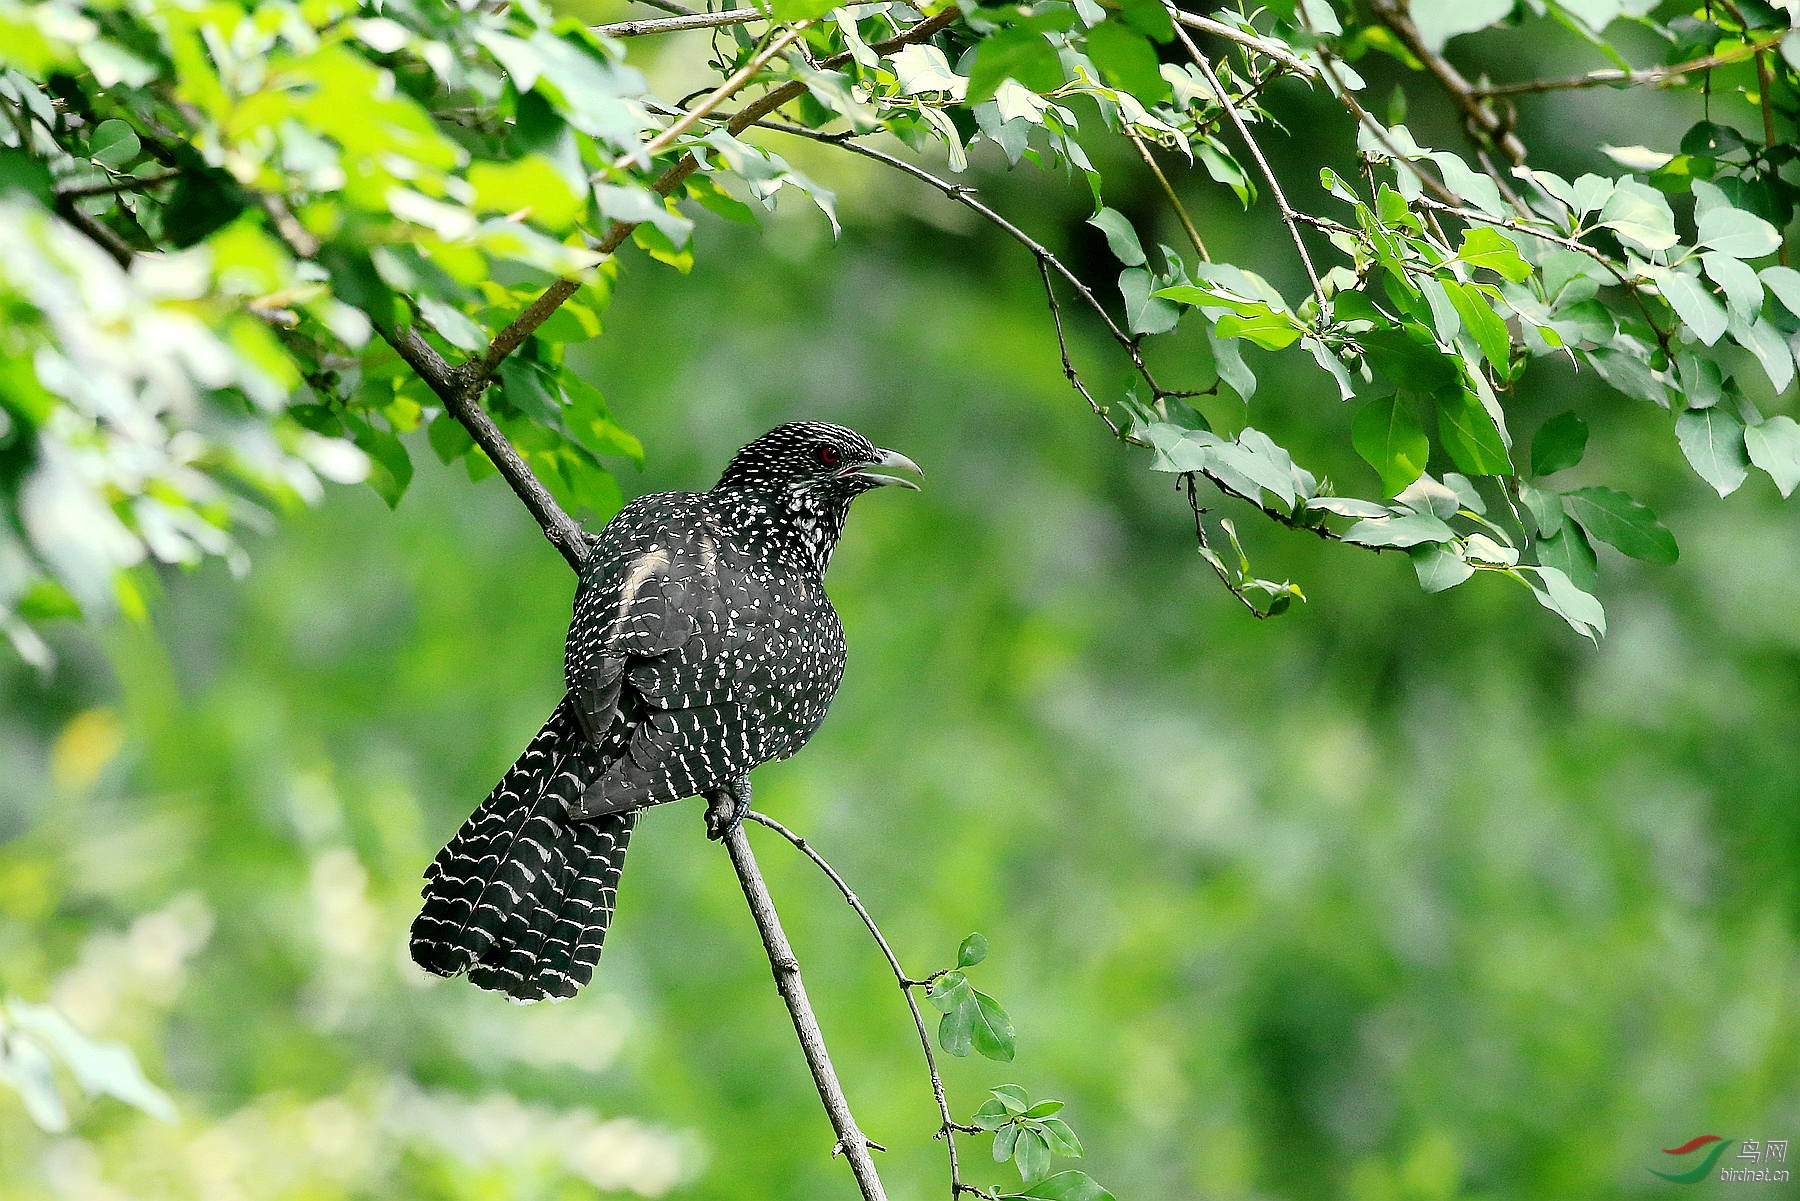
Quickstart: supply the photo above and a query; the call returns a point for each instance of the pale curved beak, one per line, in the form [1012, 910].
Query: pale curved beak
[886, 458]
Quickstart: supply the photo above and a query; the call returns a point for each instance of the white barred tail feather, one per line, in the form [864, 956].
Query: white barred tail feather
[520, 899]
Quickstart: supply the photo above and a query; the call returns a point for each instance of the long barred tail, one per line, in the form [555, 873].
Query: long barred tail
[521, 897]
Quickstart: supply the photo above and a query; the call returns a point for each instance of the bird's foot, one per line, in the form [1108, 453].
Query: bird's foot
[725, 808]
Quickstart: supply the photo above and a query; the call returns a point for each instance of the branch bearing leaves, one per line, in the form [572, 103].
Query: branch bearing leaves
[1128, 61]
[1774, 446]
[1622, 523]
[1387, 434]
[1559, 444]
[1713, 441]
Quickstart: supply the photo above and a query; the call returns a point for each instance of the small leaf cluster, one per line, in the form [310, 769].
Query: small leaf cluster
[1026, 1132]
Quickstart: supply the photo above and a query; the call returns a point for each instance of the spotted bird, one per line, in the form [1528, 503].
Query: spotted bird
[702, 645]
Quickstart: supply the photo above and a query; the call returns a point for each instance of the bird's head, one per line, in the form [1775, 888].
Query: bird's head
[815, 463]
[796, 482]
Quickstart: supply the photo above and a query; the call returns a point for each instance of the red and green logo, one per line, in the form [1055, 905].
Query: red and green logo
[1716, 1147]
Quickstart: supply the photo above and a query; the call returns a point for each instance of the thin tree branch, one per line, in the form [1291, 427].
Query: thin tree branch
[1187, 222]
[692, 20]
[949, 1126]
[1651, 76]
[793, 991]
[966, 196]
[1478, 116]
[112, 187]
[1268, 173]
[96, 231]
[1263, 46]
[481, 368]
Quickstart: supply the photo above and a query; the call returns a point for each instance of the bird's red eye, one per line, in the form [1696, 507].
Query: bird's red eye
[828, 454]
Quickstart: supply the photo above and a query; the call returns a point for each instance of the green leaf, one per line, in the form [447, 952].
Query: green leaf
[948, 991]
[1622, 523]
[790, 11]
[1414, 529]
[1546, 508]
[1128, 61]
[992, 1029]
[1016, 1099]
[1387, 434]
[528, 184]
[1468, 432]
[1031, 1154]
[1486, 326]
[1485, 246]
[1698, 309]
[1785, 283]
[1640, 215]
[1071, 1185]
[1702, 381]
[390, 467]
[1739, 234]
[956, 1030]
[972, 951]
[1043, 1109]
[1062, 1139]
[1560, 595]
[1559, 444]
[448, 438]
[1713, 441]
[1145, 313]
[1267, 328]
[1743, 290]
[992, 1114]
[1770, 349]
[1121, 238]
[1006, 1139]
[1440, 20]
[1439, 566]
[1022, 54]
[1569, 551]
[114, 144]
[1774, 446]
[1149, 17]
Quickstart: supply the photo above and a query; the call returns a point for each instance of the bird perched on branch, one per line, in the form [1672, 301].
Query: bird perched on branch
[702, 645]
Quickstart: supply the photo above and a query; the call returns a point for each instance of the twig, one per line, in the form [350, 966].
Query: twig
[966, 196]
[716, 97]
[96, 231]
[481, 368]
[1268, 174]
[114, 186]
[950, 1126]
[1263, 46]
[1062, 344]
[1211, 556]
[793, 991]
[1635, 78]
[1187, 222]
[692, 20]
[1479, 117]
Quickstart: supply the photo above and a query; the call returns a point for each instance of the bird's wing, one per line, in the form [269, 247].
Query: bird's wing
[671, 658]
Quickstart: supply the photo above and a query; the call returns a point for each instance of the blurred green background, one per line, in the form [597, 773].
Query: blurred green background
[1398, 896]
